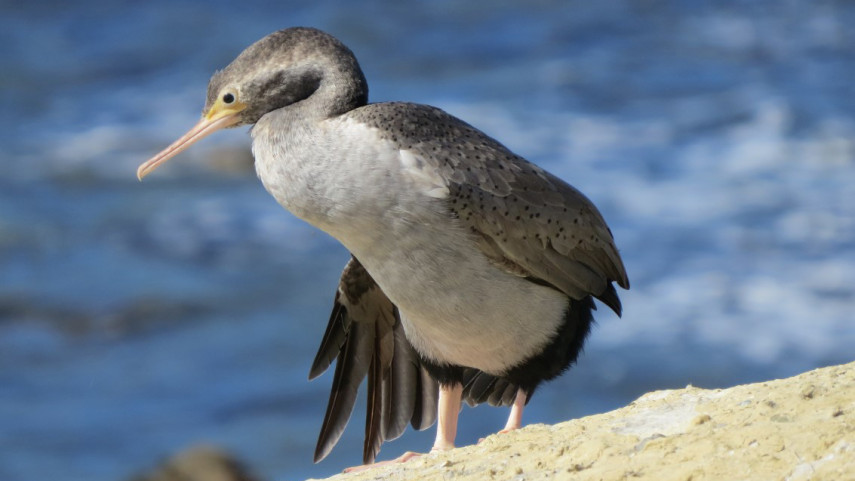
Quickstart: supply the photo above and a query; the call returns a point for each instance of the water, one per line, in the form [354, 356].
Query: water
[137, 319]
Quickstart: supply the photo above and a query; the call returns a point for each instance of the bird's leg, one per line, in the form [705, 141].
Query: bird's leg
[448, 407]
[515, 418]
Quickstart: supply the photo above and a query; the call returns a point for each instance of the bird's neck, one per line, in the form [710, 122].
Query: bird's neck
[342, 89]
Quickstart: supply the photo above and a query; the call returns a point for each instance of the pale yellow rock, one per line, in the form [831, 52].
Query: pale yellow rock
[801, 428]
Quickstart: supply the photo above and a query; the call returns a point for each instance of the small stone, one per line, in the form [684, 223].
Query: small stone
[703, 418]
[199, 463]
[578, 467]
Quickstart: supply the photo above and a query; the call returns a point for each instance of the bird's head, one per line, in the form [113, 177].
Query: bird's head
[280, 70]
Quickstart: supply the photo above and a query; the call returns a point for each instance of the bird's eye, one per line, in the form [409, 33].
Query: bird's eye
[228, 98]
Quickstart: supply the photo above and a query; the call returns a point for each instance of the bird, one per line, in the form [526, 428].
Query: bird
[473, 272]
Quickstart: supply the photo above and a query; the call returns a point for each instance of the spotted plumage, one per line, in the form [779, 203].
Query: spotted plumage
[522, 214]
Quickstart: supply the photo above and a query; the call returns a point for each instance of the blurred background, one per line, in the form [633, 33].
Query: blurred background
[137, 319]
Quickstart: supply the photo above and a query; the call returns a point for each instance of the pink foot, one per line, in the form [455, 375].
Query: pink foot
[447, 409]
[503, 431]
[400, 459]
[515, 418]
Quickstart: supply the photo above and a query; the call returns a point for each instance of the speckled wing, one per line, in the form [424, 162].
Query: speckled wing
[525, 220]
[533, 224]
[365, 338]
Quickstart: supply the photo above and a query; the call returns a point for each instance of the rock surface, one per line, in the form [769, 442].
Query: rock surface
[792, 429]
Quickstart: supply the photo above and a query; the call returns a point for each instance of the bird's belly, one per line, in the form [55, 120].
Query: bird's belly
[457, 308]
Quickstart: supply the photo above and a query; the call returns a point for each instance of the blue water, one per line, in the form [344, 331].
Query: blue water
[718, 139]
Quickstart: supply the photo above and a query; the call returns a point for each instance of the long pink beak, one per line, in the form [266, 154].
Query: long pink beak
[204, 128]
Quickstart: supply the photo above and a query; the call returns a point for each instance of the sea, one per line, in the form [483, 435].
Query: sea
[137, 319]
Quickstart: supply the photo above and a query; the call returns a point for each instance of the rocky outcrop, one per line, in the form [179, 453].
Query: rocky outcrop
[793, 429]
[796, 429]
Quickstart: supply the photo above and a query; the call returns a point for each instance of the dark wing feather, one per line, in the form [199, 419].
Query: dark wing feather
[403, 386]
[375, 414]
[351, 368]
[332, 341]
[424, 411]
[366, 338]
